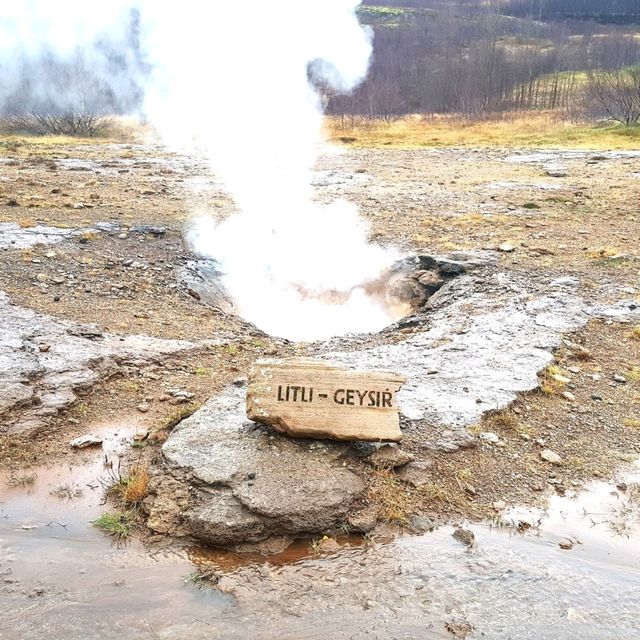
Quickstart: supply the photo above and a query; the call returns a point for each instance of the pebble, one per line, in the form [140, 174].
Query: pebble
[618, 378]
[506, 248]
[87, 440]
[420, 524]
[566, 545]
[143, 407]
[499, 505]
[551, 456]
[465, 536]
[489, 436]
[567, 395]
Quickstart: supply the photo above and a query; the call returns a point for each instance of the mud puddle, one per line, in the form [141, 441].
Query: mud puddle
[570, 572]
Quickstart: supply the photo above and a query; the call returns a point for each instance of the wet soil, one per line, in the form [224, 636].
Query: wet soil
[569, 572]
[583, 225]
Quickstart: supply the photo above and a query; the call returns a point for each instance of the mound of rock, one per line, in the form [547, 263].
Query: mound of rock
[248, 483]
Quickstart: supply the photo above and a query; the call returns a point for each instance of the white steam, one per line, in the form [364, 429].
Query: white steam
[232, 79]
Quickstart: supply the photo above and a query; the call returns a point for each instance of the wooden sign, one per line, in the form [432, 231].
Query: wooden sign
[307, 398]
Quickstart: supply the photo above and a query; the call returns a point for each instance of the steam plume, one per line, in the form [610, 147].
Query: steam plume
[233, 79]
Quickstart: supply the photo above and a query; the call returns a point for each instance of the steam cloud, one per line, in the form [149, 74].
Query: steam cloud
[233, 80]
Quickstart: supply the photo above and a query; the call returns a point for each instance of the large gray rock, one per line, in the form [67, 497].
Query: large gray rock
[44, 362]
[250, 483]
[487, 339]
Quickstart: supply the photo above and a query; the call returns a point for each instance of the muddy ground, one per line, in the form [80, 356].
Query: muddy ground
[121, 210]
[565, 215]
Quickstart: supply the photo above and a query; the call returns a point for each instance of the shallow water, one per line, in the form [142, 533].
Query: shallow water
[61, 578]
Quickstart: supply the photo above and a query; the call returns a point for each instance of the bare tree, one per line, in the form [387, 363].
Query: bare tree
[616, 93]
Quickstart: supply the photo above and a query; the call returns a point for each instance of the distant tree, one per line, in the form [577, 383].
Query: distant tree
[616, 93]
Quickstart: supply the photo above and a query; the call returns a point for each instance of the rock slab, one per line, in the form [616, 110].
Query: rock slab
[247, 484]
[307, 398]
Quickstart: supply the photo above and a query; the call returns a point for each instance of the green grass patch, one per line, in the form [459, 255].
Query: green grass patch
[119, 524]
[613, 263]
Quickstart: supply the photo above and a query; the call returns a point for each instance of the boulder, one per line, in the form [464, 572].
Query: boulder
[249, 484]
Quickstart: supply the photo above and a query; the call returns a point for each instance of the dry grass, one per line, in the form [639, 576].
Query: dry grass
[552, 380]
[131, 489]
[635, 333]
[19, 479]
[179, 414]
[634, 374]
[120, 129]
[535, 129]
[391, 497]
[603, 252]
[86, 236]
[505, 419]
[26, 223]
[631, 423]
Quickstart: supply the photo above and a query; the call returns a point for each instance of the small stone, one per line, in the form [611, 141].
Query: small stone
[388, 456]
[567, 395]
[558, 378]
[44, 347]
[489, 436]
[193, 293]
[364, 520]
[619, 378]
[596, 397]
[420, 524]
[417, 474]
[566, 545]
[143, 407]
[555, 171]
[506, 247]
[88, 440]
[551, 456]
[465, 536]
[499, 505]
[459, 629]
[329, 545]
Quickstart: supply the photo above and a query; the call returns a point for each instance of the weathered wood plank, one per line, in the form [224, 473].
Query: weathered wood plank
[307, 398]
